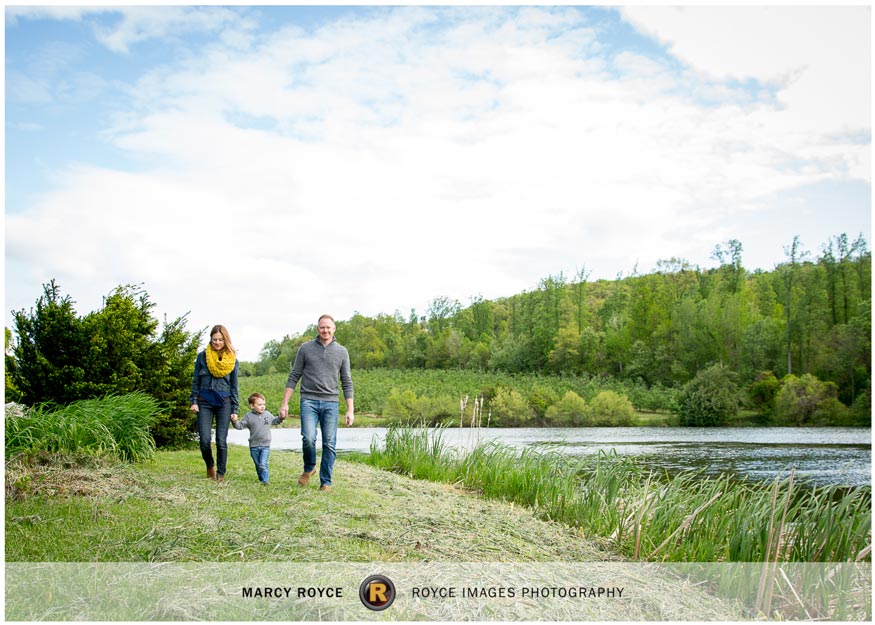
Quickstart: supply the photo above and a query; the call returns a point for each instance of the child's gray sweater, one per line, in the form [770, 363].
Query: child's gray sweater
[259, 427]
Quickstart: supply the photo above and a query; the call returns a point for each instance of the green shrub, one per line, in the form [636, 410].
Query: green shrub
[59, 357]
[805, 400]
[831, 411]
[570, 410]
[610, 409]
[400, 404]
[762, 392]
[541, 398]
[435, 410]
[406, 406]
[710, 399]
[861, 411]
[12, 392]
[509, 407]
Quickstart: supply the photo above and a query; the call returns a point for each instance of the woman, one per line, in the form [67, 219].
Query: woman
[214, 393]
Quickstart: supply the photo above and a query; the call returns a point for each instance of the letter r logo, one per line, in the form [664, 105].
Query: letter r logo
[377, 592]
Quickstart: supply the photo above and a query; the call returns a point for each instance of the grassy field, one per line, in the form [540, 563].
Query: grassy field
[167, 513]
[73, 499]
[167, 510]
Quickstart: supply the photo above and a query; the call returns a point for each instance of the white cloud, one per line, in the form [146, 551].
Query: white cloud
[138, 24]
[18, 13]
[820, 58]
[379, 162]
[124, 26]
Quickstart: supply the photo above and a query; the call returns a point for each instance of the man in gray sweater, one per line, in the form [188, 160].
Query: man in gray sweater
[318, 365]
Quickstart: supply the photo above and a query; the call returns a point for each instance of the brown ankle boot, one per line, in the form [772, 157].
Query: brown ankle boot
[211, 473]
[305, 477]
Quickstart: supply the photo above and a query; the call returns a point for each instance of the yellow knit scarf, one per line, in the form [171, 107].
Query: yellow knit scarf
[220, 368]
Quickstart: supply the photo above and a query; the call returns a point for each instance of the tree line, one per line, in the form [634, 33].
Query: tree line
[796, 338]
[808, 316]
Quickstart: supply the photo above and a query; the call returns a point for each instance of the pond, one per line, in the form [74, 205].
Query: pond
[822, 456]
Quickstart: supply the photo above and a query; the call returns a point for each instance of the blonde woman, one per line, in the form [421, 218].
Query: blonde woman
[214, 394]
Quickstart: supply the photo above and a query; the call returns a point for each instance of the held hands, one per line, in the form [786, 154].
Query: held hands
[284, 411]
[233, 418]
[350, 417]
[194, 408]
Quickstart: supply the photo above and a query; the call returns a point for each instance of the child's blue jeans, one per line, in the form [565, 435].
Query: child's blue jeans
[260, 456]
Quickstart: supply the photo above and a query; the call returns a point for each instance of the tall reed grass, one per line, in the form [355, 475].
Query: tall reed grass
[689, 517]
[117, 426]
[820, 536]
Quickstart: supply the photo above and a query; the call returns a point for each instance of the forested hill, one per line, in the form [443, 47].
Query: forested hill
[808, 315]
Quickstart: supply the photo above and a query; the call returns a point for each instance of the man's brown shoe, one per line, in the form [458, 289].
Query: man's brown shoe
[325, 487]
[305, 477]
[211, 473]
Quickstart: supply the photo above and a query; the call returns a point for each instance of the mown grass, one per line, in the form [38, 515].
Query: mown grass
[167, 510]
[686, 518]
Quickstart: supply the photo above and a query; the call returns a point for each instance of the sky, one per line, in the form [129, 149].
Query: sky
[259, 166]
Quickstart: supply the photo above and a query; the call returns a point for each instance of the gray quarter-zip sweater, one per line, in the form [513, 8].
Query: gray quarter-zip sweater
[259, 427]
[318, 367]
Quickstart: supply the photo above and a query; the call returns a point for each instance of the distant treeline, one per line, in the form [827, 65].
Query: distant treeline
[810, 315]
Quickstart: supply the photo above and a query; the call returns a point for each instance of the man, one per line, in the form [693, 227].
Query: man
[317, 365]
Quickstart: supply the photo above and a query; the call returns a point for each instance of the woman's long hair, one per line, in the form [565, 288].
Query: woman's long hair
[229, 346]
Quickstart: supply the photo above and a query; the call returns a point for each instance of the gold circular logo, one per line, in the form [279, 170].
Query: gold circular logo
[377, 592]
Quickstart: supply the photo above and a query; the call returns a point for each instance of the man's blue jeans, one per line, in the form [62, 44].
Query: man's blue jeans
[324, 413]
[205, 415]
[260, 456]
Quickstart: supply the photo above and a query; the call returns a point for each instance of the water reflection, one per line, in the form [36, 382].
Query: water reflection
[819, 455]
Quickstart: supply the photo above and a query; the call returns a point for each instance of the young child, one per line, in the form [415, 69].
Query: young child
[258, 420]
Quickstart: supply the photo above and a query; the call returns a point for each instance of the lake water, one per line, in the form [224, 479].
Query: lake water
[819, 455]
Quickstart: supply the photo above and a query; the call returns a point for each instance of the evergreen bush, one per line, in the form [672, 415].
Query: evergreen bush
[59, 357]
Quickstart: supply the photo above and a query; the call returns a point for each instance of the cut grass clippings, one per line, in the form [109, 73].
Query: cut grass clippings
[167, 510]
